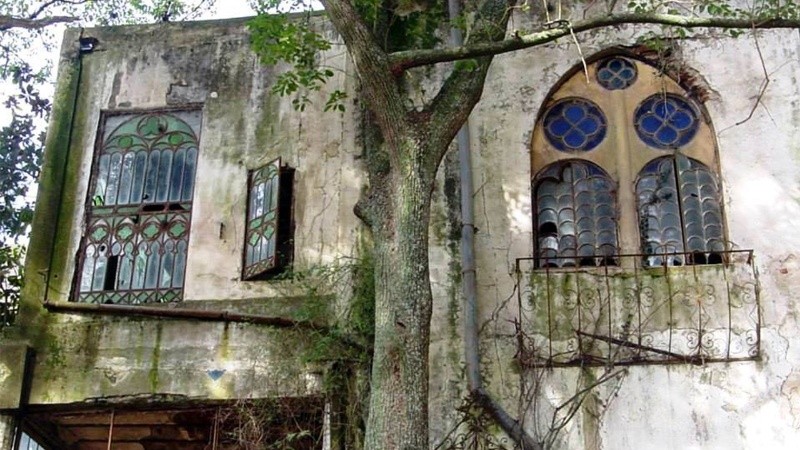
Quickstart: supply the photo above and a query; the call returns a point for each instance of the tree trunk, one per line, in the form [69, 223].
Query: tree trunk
[398, 414]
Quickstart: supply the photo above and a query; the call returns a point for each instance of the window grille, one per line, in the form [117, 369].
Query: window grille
[139, 212]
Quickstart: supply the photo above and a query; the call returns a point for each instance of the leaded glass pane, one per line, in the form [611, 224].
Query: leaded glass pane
[666, 121]
[135, 245]
[261, 235]
[574, 124]
[616, 73]
[680, 216]
[576, 216]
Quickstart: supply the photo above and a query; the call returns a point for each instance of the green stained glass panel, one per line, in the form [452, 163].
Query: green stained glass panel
[145, 161]
[125, 232]
[177, 229]
[99, 233]
[150, 231]
[262, 224]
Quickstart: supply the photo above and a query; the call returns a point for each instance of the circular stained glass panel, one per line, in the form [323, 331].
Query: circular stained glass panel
[574, 124]
[616, 73]
[666, 121]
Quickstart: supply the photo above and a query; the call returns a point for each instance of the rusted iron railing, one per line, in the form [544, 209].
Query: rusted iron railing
[631, 313]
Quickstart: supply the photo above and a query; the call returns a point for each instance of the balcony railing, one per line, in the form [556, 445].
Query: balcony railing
[629, 314]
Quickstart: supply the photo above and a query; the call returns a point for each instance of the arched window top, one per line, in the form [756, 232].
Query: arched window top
[613, 130]
[568, 169]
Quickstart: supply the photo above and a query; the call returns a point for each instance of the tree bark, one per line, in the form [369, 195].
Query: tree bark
[402, 165]
[398, 408]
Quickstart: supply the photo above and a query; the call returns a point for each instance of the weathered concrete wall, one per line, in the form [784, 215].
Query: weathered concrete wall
[6, 432]
[734, 405]
[85, 356]
[722, 405]
[243, 127]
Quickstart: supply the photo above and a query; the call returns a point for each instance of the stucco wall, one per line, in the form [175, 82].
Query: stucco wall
[243, 126]
[734, 405]
[744, 404]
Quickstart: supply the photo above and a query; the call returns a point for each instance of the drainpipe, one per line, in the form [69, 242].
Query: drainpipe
[511, 426]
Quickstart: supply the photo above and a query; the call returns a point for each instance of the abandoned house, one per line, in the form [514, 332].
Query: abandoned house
[636, 252]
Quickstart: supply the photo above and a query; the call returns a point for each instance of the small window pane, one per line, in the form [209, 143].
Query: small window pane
[679, 212]
[261, 236]
[576, 220]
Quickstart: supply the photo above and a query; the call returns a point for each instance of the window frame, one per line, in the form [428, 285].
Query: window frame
[149, 210]
[622, 154]
[284, 225]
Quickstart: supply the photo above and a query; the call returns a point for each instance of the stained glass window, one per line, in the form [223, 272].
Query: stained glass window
[665, 121]
[576, 215]
[575, 125]
[625, 162]
[267, 245]
[679, 212]
[139, 214]
[616, 73]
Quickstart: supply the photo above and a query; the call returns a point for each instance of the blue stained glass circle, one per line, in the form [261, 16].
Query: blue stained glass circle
[616, 73]
[666, 121]
[574, 124]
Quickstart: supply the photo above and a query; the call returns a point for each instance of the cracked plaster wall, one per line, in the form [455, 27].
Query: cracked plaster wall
[740, 405]
[717, 406]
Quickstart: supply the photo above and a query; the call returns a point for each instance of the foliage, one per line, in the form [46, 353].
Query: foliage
[272, 424]
[10, 283]
[284, 31]
[20, 149]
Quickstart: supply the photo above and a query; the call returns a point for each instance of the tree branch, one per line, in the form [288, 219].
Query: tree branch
[404, 60]
[44, 6]
[452, 105]
[372, 66]
[9, 22]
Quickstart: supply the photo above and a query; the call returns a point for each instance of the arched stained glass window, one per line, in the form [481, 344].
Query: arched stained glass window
[680, 217]
[613, 133]
[576, 215]
[139, 211]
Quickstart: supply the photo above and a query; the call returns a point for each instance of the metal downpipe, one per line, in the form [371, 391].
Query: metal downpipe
[468, 279]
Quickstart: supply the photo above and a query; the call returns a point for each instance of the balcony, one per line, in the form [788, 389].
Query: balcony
[628, 314]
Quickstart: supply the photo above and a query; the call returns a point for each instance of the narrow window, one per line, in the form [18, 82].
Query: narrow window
[139, 209]
[576, 216]
[680, 217]
[268, 243]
